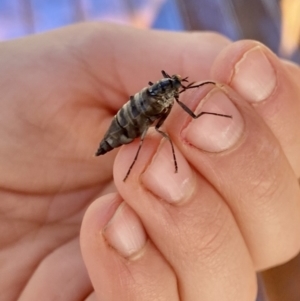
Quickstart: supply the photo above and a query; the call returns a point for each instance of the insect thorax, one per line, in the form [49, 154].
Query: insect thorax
[164, 91]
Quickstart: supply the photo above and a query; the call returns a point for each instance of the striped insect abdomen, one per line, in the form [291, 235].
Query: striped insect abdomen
[128, 124]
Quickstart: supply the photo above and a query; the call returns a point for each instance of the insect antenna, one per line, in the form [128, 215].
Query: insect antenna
[185, 79]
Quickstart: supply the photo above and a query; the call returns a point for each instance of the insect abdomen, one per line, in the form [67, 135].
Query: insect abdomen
[128, 124]
[114, 137]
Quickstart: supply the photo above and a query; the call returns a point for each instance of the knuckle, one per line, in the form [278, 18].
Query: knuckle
[215, 227]
[265, 175]
[273, 190]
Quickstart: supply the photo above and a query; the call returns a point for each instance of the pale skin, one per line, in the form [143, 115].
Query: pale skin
[239, 215]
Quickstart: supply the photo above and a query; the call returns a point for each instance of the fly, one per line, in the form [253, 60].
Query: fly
[151, 105]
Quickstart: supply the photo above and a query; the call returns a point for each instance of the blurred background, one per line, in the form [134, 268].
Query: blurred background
[276, 23]
[273, 22]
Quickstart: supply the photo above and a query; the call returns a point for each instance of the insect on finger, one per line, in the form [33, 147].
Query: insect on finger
[150, 106]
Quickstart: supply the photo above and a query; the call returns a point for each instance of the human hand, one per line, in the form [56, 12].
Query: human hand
[59, 91]
[232, 210]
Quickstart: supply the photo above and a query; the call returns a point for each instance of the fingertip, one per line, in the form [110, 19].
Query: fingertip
[270, 85]
[223, 67]
[120, 259]
[99, 213]
[251, 69]
[110, 222]
[125, 232]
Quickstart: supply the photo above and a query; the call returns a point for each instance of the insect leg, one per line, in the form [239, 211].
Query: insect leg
[193, 115]
[165, 135]
[137, 153]
[191, 85]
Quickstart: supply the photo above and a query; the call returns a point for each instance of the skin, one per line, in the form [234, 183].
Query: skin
[59, 91]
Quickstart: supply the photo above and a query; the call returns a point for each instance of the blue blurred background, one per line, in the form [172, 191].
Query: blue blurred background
[273, 22]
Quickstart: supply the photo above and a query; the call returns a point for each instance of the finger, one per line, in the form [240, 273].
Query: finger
[121, 261]
[244, 161]
[270, 85]
[188, 222]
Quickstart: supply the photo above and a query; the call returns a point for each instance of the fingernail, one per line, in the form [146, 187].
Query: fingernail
[254, 77]
[215, 133]
[125, 232]
[160, 177]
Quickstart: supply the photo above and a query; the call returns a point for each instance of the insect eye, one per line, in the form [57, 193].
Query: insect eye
[177, 77]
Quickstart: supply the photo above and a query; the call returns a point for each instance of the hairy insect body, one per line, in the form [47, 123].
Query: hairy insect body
[139, 113]
[150, 106]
